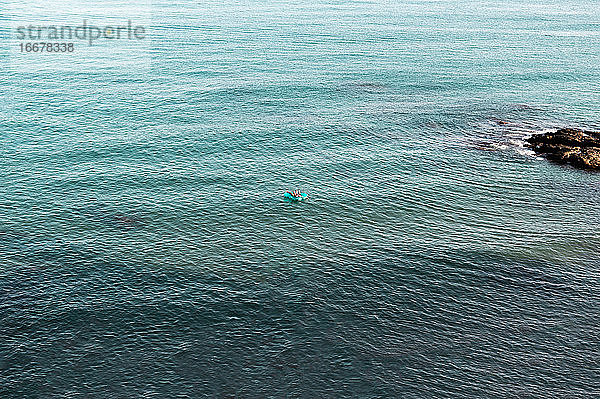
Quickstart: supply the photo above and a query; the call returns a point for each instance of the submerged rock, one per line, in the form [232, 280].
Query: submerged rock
[579, 148]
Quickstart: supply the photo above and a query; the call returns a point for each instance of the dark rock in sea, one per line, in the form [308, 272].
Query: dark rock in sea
[579, 148]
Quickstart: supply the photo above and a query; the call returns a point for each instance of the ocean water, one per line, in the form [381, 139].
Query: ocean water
[146, 250]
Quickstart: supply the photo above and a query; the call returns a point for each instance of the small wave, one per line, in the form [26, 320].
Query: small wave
[509, 137]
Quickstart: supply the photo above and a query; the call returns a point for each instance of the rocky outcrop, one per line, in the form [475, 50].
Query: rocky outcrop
[579, 148]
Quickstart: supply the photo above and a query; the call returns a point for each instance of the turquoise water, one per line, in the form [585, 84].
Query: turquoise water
[146, 249]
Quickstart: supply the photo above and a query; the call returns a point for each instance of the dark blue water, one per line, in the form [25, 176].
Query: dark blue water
[146, 250]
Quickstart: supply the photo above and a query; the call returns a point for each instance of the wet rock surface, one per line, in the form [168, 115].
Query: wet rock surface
[579, 148]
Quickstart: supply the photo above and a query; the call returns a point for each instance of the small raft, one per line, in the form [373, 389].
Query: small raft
[292, 198]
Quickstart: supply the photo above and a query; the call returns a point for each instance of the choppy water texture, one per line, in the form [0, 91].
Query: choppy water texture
[146, 250]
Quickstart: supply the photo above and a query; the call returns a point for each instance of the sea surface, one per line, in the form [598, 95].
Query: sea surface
[146, 250]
